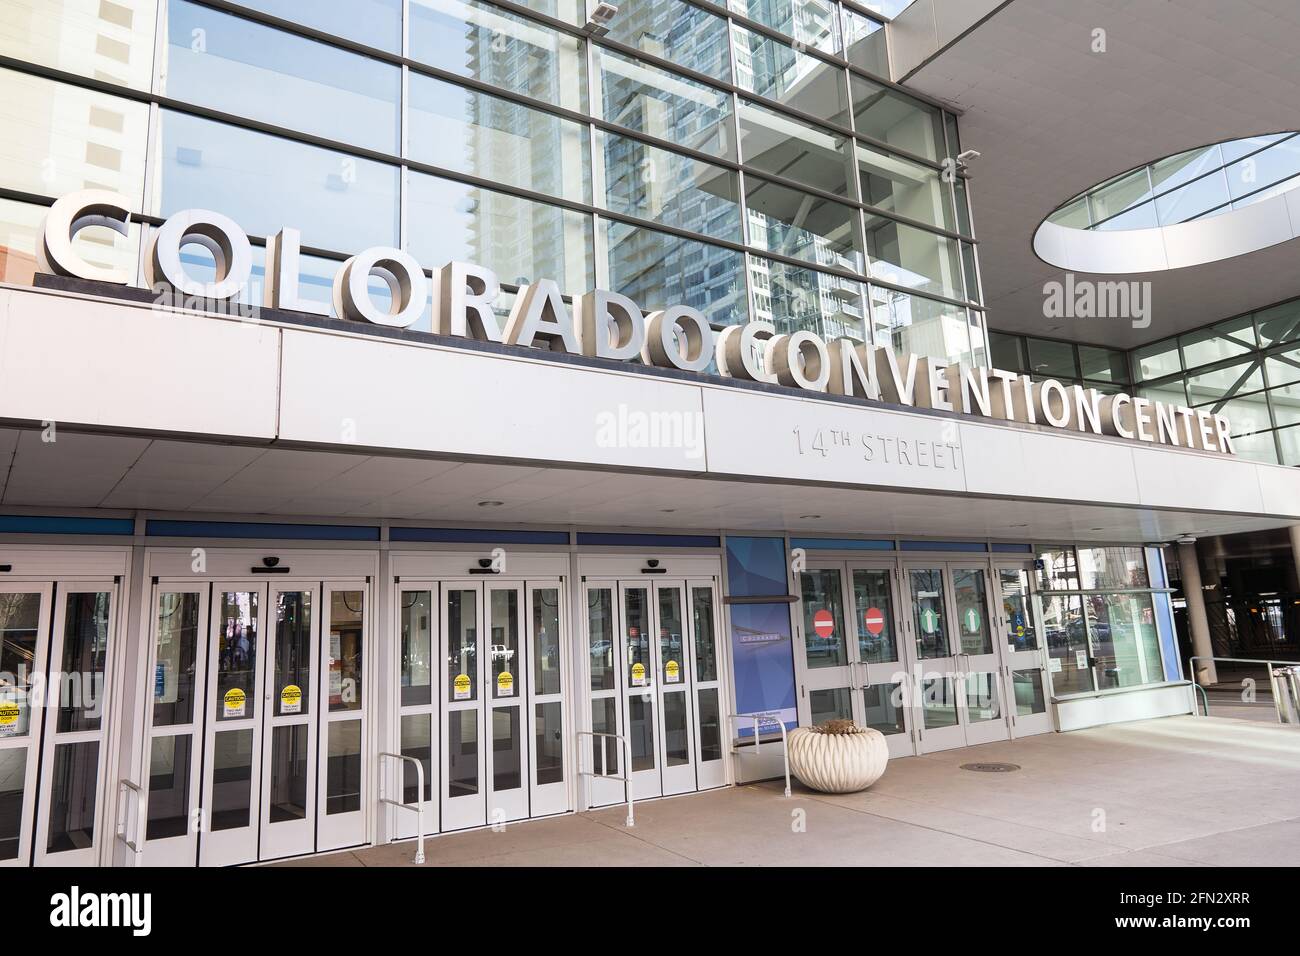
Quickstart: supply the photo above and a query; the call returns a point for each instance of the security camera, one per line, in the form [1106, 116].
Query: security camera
[965, 156]
[597, 24]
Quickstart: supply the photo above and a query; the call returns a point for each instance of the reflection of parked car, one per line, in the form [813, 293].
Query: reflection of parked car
[501, 652]
[600, 648]
[822, 646]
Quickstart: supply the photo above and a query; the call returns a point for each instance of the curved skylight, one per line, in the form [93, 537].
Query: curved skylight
[1203, 182]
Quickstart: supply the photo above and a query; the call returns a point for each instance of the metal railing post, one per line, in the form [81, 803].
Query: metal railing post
[136, 846]
[418, 806]
[1283, 683]
[626, 776]
[758, 720]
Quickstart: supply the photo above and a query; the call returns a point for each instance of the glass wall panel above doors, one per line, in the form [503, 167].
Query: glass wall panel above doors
[783, 73]
[776, 143]
[376, 23]
[111, 41]
[682, 33]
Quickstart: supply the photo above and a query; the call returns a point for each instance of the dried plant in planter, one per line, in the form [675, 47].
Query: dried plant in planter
[839, 726]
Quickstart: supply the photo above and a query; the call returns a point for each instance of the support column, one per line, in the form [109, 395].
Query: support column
[1295, 550]
[1198, 624]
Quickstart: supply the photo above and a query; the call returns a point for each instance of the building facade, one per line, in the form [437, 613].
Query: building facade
[660, 413]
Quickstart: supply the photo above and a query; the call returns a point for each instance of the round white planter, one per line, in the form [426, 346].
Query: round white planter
[838, 763]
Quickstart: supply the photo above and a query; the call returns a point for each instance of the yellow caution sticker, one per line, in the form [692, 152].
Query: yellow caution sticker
[291, 699]
[638, 675]
[672, 672]
[234, 703]
[505, 684]
[9, 713]
[460, 687]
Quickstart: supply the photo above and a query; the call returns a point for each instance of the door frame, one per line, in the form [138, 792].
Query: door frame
[31, 740]
[1017, 661]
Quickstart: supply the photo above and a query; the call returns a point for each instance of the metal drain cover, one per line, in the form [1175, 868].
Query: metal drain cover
[991, 767]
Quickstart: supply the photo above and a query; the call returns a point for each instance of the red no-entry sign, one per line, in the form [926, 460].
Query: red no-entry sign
[823, 623]
[874, 619]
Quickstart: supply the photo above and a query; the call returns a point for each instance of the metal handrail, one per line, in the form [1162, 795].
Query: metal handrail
[1282, 713]
[418, 806]
[136, 846]
[626, 777]
[758, 720]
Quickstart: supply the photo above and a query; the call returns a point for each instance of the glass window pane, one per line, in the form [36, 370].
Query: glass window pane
[21, 224]
[982, 697]
[108, 41]
[938, 703]
[73, 793]
[85, 656]
[1124, 640]
[810, 22]
[1285, 403]
[641, 731]
[1120, 194]
[706, 642]
[507, 750]
[914, 258]
[826, 705]
[1049, 359]
[1021, 635]
[343, 767]
[1114, 567]
[519, 239]
[462, 645]
[1058, 570]
[1171, 393]
[679, 32]
[417, 647]
[175, 652]
[376, 23]
[1106, 365]
[1223, 341]
[883, 708]
[548, 742]
[289, 769]
[1274, 164]
[232, 779]
[501, 49]
[546, 651]
[13, 778]
[503, 654]
[600, 638]
[802, 226]
[1067, 644]
[773, 142]
[677, 733]
[781, 72]
[605, 761]
[264, 183]
[873, 603]
[1263, 446]
[1028, 688]
[913, 323]
[709, 715]
[899, 185]
[888, 116]
[864, 43]
[462, 753]
[293, 640]
[929, 612]
[62, 138]
[1281, 323]
[657, 184]
[1247, 415]
[794, 298]
[346, 649]
[417, 743]
[640, 666]
[497, 139]
[1225, 382]
[20, 616]
[657, 270]
[169, 787]
[228, 63]
[823, 618]
[672, 649]
[1008, 352]
[972, 611]
[1193, 199]
[1154, 361]
[1283, 368]
[664, 105]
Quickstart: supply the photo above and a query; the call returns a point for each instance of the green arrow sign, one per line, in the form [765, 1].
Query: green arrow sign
[929, 621]
[972, 620]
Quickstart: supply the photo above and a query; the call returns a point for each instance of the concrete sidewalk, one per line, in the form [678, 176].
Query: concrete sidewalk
[1182, 791]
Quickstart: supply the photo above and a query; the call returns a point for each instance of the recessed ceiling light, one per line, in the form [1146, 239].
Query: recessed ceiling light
[808, 517]
[490, 504]
[667, 511]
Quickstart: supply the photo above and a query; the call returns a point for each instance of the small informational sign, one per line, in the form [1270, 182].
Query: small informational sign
[971, 620]
[1081, 659]
[873, 619]
[638, 675]
[823, 624]
[291, 699]
[234, 703]
[460, 687]
[159, 681]
[1011, 648]
[10, 711]
[672, 673]
[1054, 665]
[505, 684]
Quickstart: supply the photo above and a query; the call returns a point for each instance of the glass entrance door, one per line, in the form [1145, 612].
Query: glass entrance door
[24, 643]
[654, 677]
[855, 666]
[1026, 683]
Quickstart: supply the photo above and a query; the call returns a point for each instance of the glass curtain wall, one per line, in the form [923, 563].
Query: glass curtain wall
[1247, 368]
[750, 158]
[1072, 363]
